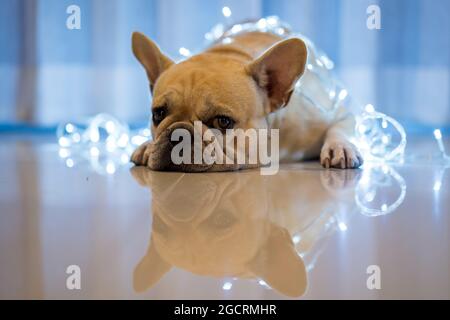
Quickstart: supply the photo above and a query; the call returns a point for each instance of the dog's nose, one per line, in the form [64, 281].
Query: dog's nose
[172, 150]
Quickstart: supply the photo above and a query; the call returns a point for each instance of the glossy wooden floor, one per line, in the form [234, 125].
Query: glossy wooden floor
[304, 233]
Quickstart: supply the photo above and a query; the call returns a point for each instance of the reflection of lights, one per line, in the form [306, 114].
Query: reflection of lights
[365, 179]
[272, 20]
[236, 29]
[369, 108]
[437, 186]
[296, 239]
[110, 144]
[227, 40]
[438, 180]
[362, 128]
[261, 24]
[64, 142]
[110, 127]
[280, 31]
[76, 137]
[376, 179]
[123, 140]
[332, 94]
[328, 63]
[138, 140]
[70, 128]
[110, 168]
[370, 196]
[63, 153]
[94, 152]
[384, 124]
[227, 286]
[263, 284]
[342, 226]
[69, 163]
[437, 134]
[94, 136]
[343, 94]
[226, 11]
[184, 52]
[146, 132]
[124, 158]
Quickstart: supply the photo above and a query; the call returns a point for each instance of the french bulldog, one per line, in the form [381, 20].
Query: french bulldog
[217, 226]
[246, 82]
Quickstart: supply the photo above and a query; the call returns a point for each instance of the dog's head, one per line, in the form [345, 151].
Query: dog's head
[224, 90]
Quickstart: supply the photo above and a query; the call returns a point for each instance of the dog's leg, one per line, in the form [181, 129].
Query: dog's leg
[337, 150]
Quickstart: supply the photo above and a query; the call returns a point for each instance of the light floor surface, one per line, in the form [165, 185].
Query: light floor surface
[306, 232]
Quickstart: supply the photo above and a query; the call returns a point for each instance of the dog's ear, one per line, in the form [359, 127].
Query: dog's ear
[279, 265]
[278, 69]
[149, 55]
[150, 270]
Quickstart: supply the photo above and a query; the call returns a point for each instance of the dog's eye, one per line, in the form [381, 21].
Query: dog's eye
[158, 115]
[223, 122]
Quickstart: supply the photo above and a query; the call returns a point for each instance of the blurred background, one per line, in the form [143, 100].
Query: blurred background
[50, 74]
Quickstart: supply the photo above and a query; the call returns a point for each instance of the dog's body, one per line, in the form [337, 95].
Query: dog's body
[249, 81]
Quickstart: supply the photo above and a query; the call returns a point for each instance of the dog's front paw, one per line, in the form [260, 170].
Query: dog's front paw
[340, 154]
[142, 154]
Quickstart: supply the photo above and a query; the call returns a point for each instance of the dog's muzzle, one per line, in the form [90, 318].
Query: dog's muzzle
[178, 135]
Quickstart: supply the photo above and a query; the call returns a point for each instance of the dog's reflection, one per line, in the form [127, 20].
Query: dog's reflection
[238, 224]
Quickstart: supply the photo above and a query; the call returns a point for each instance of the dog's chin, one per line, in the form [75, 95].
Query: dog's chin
[185, 167]
[163, 162]
[192, 168]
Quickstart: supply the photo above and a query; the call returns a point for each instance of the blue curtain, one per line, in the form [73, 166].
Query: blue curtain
[49, 73]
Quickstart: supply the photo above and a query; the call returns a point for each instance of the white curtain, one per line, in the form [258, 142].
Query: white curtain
[51, 74]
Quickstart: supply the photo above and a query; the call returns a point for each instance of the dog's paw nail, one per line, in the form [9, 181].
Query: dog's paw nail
[351, 163]
[344, 155]
[360, 161]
